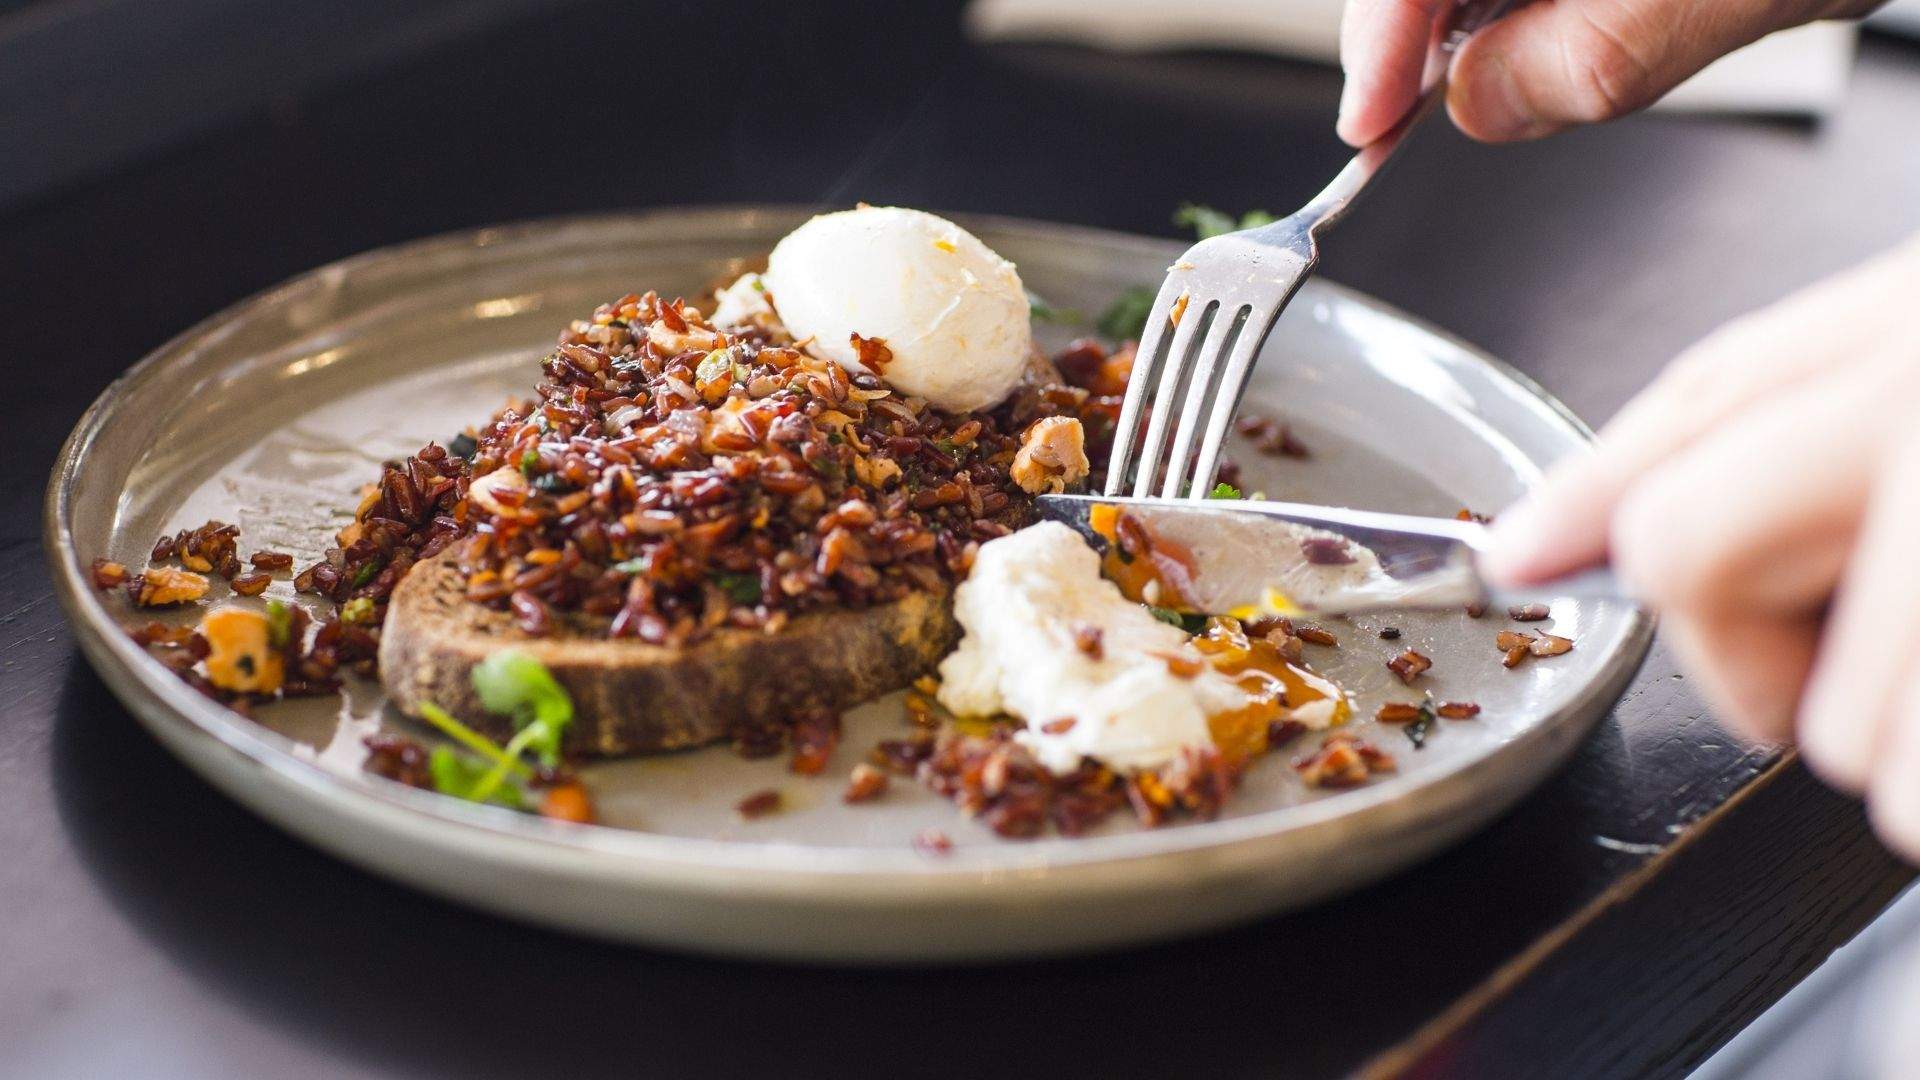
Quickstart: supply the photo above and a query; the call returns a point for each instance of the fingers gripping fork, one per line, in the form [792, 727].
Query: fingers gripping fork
[1221, 299]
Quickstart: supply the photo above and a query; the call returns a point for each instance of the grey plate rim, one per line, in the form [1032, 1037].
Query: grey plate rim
[174, 712]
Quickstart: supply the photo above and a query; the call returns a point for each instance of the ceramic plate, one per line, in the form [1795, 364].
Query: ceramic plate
[271, 415]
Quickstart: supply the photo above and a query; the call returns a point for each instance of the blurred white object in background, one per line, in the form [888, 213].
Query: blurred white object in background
[1798, 72]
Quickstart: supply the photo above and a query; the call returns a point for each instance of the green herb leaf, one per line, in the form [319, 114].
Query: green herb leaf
[1041, 311]
[355, 611]
[636, 565]
[958, 453]
[463, 777]
[469, 738]
[1224, 490]
[1205, 221]
[1192, 624]
[1166, 615]
[529, 461]
[519, 687]
[279, 624]
[367, 572]
[1128, 315]
[1419, 729]
[741, 588]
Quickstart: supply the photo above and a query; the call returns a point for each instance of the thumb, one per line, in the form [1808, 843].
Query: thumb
[1560, 62]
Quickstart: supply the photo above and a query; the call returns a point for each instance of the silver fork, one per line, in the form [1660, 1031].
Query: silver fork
[1224, 296]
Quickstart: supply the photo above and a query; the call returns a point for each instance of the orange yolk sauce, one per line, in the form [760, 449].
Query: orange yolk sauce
[1148, 570]
[1155, 571]
[1277, 688]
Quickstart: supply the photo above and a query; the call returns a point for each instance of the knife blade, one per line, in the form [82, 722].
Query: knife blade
[1234, 556]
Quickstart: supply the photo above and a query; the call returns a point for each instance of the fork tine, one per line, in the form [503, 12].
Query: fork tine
[1179, 355]
[1233, 382]
[1219, 337]
[1145, 365]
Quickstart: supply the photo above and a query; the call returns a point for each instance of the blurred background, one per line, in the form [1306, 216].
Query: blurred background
[161, 160]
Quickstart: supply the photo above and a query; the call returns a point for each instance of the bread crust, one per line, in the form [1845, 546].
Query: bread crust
[631, 697]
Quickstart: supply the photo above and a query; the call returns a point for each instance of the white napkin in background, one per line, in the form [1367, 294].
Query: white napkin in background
[1798, 72]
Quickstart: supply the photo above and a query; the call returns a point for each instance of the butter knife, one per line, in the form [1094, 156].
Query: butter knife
[1233, 555]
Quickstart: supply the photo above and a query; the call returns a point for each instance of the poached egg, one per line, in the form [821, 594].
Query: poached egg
[951, 312]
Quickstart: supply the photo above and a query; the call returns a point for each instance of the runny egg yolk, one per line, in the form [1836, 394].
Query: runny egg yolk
[1277, 688]
[1148, 571]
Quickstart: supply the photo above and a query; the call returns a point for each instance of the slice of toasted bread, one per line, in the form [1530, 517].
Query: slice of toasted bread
[630, 697]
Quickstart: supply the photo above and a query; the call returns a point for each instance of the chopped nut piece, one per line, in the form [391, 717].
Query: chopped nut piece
[1272, 437]
[1052, 456]
[252, 584]
[399, 759]
[1326, 551]
[1549, 645]
[1291, 648]
[1397, 712]
[927, 685]
[1476, 609]
[1343, 760]
[903, 756]
[108, 574]
[1060, 726]
[241, 656]
[1282, 732]
[1389, 633]
[1409, 665]
[567, 802]
[669, 340]
[932, 842]
[816, 734]
[1529, 612]
[1313, 635]
[271, 560]
[1150, 798]
[1458, 710]
[872, 353]
[501, 491]
[864, 784]
[758, 804]
[160, 586]
[920, 711]
[1508, 640]
[1088, 640]
[1514, 656]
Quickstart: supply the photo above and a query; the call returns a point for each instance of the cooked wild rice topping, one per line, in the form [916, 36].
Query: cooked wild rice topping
[671, 477]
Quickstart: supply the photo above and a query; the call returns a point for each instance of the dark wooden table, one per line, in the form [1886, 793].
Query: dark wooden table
[1624, 920]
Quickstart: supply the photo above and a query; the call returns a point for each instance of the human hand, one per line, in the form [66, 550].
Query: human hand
[1764, 496]
[1551, 63]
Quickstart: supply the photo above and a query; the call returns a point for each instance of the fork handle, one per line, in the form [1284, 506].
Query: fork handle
[1328, 207]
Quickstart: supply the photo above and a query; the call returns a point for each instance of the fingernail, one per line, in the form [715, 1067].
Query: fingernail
[1489, 104]
[1349, 101]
